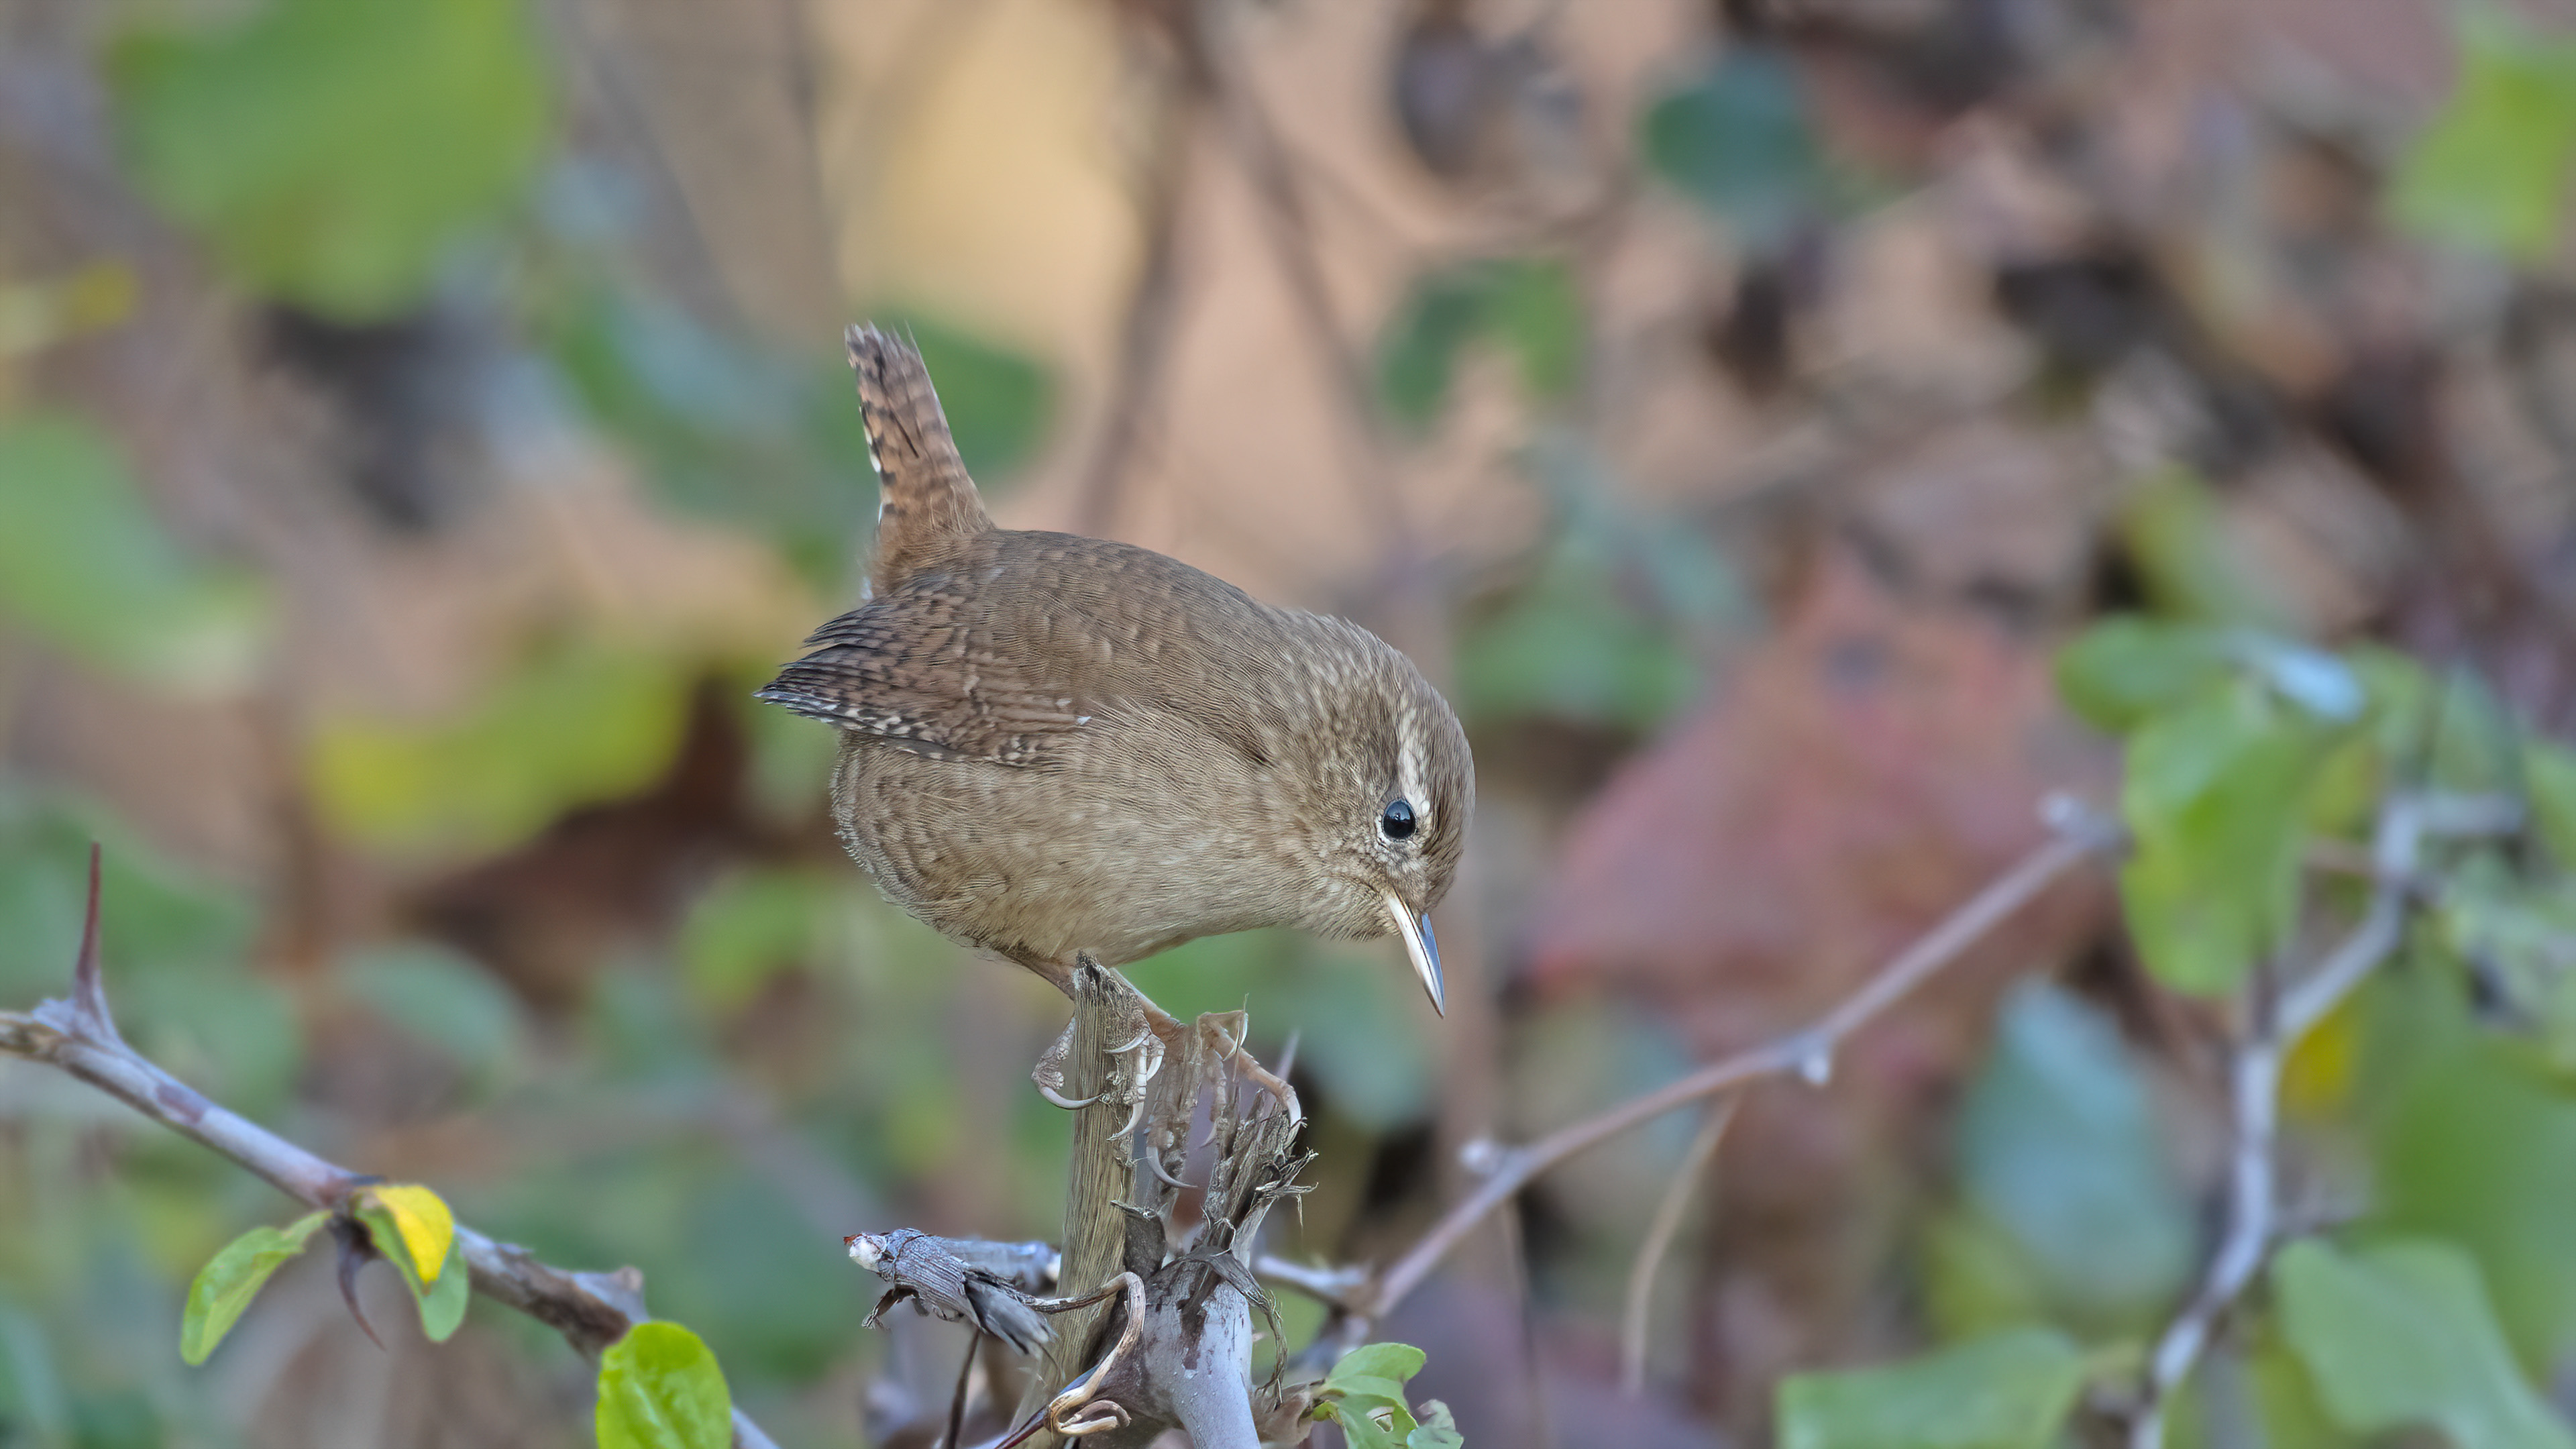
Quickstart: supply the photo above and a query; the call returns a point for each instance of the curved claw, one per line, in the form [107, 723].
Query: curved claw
[1143, 1036]
[1135, 1114]
[1070, 1104]
[1154, 1164]
[1097, 1417]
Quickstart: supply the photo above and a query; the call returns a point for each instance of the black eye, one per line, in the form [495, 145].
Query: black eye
[1397, 822]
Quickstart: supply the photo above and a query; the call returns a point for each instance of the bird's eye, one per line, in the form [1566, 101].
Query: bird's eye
[1397, 822]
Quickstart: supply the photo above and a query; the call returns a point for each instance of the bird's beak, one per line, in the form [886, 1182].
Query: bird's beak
[1419, 947]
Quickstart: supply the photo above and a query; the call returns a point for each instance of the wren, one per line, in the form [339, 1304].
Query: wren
[1056, 746]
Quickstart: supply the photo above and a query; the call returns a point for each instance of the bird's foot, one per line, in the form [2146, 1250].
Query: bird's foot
[1221, 1048]
[1049, 1073]
[1133, 1065]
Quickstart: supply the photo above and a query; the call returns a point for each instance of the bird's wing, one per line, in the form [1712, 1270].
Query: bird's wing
[1004, 647]
[921, 668]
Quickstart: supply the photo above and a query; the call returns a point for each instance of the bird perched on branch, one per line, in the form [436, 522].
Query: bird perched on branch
[1055, 746]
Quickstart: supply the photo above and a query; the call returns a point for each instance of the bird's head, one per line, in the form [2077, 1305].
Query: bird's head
[1388, 819]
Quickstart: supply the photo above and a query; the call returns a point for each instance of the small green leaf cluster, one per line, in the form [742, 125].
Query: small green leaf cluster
[406, 1224]
[1364, 1394]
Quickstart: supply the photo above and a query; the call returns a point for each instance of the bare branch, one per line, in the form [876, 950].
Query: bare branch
[77, 1036]
[2081, 834]
[2254, 1080]
[1659, 1240]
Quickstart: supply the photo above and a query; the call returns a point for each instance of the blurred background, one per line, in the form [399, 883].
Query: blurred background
[422, 425]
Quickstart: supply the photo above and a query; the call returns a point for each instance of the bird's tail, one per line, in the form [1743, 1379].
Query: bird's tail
[924, 498]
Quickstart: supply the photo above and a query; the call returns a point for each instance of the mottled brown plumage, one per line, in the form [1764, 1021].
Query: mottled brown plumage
[1055, 745]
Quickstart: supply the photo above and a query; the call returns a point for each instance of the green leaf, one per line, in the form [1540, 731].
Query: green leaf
[577, 725]
[1367, 1383]
[2060, 1148]
[1396, 1361]
[2400, 1335]
[1738, 142]
[660, 1388]
[443, 1310]
[329, 150]
[2127, 668]
[86, 567]
[2216, 794]
[2009, 1390]
[2492, 169]
[2476, 1145]
[233, 1277]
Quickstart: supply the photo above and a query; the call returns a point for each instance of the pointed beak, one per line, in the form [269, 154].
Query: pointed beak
[1419, 947]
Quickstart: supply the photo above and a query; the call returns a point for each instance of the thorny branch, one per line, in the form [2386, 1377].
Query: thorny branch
[2273, 1029]
[77, 1036]
[2081, 834]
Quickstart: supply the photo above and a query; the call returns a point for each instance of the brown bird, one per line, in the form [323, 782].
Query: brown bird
[1054, 745]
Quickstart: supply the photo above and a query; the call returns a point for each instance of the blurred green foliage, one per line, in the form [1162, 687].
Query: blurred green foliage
[86, 567]
[582, 721]
[1527, 306]
[1738, 140]
[2008, 1390]
[2475, 1143]
[1609, 625]
[2075, 1213]
[329, 150]
[728, 429]
[2399, 1335]
[2496, 167]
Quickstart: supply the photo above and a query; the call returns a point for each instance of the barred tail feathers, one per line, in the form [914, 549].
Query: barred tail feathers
[924, 496]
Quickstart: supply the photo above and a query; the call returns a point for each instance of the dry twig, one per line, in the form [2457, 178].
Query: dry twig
[1659, 1240]
[2081, 834]
[77, 1036]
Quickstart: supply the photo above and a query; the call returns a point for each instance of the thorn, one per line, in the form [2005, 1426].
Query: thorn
[89, 985]
[356, 1248]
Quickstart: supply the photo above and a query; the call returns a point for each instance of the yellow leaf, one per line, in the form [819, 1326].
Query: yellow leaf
[2316, 1080]
[421, 1216]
